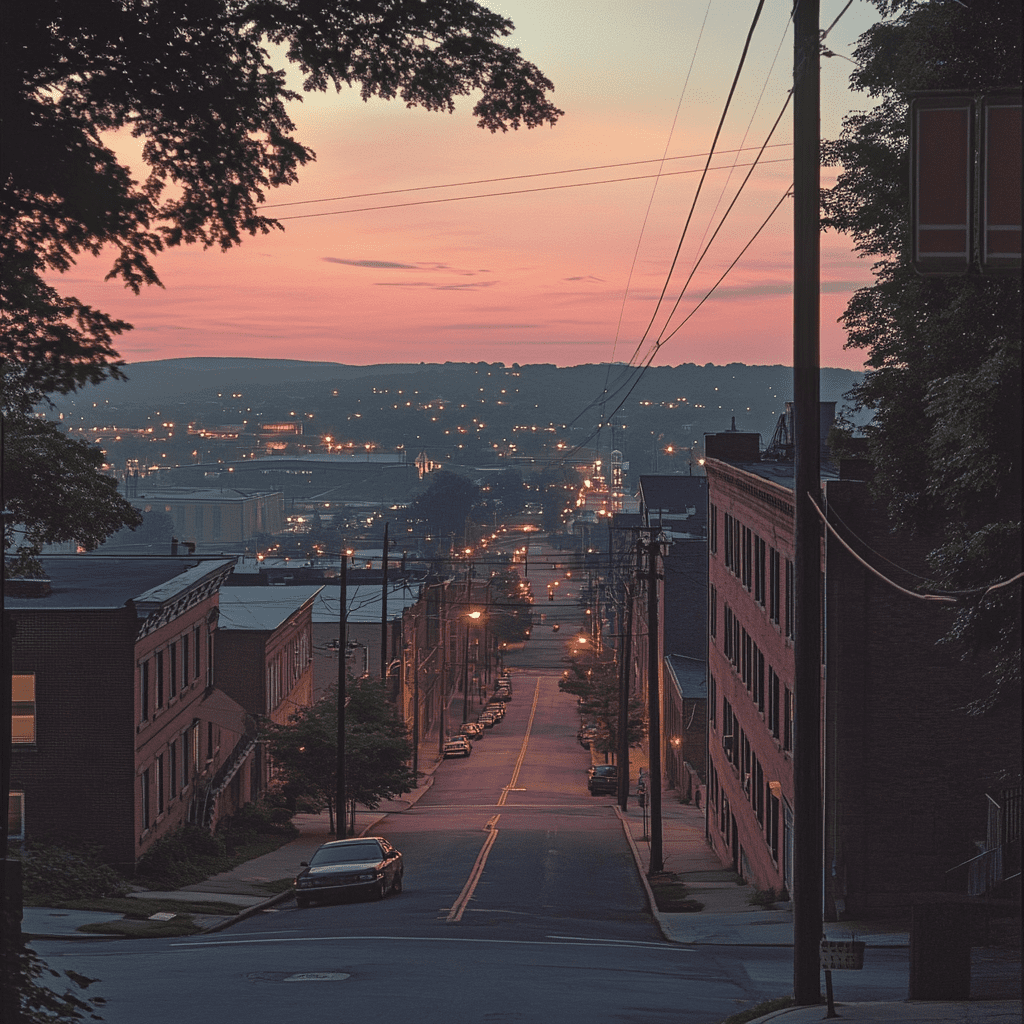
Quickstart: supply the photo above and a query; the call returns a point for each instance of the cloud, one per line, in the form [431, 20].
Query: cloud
[585, 277]
[468, 286]
[372, 264]
[442, 268]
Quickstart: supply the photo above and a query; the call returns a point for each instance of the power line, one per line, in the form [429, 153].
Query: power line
[488, 181]
[511, 192]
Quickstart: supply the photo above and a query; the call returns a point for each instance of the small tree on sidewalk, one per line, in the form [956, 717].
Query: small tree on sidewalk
[597, 686]
[304, 752]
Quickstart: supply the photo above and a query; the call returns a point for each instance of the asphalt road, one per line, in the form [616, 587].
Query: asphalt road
[521, 904]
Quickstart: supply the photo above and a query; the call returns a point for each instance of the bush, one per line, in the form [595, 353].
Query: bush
[765, 898]
[187, 855]
[254, 820]
[55, 872]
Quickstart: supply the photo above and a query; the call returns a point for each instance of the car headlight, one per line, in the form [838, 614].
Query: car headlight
[303, 883]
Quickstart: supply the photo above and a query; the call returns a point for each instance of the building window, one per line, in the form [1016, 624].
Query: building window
[727, 637]
[747, 661]
[772, 830]
[186, 739]
[209, 659]
[209, 741]
[757, 791]
[790, 600]
[159, 679]
[23, 710]
[713, 701]
[736, 643]
[773, 585]
[16, 814]
[172, 670]
[748, 557]
[144, 691]
[758, 691]
[773, 702]
[728, 541]
[713, 529]
[713, 611]
[194, 747]
[184, 661]
[759, 588]
[196, 653]
[159, 779]
[172, 768]
[144, 789]
[787, 720]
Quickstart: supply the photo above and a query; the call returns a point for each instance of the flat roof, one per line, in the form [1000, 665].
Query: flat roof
[94, 582]
[261, 608]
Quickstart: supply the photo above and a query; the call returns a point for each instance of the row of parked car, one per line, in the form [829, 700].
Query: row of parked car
[462, 744]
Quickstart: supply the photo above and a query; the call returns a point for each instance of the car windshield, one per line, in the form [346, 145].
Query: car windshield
[350, 853]
[604, 769]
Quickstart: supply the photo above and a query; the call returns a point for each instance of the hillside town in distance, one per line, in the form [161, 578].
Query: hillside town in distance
[222, 610]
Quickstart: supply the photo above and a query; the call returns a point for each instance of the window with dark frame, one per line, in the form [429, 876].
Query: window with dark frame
[144, 691]
[172, 670]
[184, 662]
[159, 679]
[196, 653]
[159, 784]
[773, 702]
[748, 557]
[790, 601]
[773, 585]
[713, 529]
[144, 790]
[787, 720]
[759, 588]
[713, 610]
[172, 768]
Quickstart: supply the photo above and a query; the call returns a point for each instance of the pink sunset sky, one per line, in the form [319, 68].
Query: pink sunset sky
[566, 275]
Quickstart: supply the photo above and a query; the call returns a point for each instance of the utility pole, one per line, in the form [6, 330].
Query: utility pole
[384, 610]
[807, 846]
[339, 800]
[625, 658]
[654, 707]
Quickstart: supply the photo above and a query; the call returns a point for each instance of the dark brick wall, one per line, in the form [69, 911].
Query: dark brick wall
[79, 776]
[910, 767]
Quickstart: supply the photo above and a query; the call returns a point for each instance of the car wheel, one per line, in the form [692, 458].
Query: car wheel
[382, 888]
[397, 885]
[301, 902]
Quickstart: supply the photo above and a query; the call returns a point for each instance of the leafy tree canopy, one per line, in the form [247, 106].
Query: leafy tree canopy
[194, 81]
[596, 684]
[377, 748]
[943, 353]
[54, 489]
[446, 504]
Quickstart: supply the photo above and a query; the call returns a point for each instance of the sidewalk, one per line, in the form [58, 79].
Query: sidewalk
[728, 920]
[239, 886]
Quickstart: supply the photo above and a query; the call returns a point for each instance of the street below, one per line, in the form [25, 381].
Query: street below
[521, 903]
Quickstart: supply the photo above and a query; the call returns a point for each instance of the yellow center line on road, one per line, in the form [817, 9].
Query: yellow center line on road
[459, 906]
[522, 751]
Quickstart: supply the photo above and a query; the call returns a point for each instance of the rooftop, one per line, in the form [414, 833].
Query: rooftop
[110, 581]
[261, 608]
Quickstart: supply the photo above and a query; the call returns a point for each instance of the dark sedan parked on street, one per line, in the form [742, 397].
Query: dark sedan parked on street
[368, 866]
[603, 778]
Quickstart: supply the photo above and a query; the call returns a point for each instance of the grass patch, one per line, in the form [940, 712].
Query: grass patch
[671, 896]
[135, 929]
[142, 908]
[768, 1006]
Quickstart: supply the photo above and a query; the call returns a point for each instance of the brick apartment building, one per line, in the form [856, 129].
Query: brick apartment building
[907, 773]
[118, 731]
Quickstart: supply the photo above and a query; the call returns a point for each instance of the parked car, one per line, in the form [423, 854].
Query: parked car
[586, 735]
[487, 720]
[368, 866]
[457, 746]
[503, 694]
[496, 708]
[603, 778]
[472, 730]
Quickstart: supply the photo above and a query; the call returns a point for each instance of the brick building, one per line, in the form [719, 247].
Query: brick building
[119, 732]
[907, 773]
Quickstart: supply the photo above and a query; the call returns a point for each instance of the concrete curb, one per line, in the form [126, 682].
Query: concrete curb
[651, 901]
